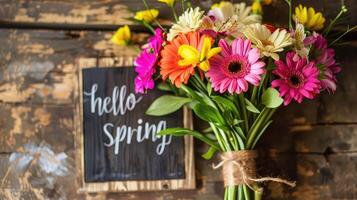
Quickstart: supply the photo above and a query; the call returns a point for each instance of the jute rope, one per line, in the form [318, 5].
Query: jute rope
[238, 167]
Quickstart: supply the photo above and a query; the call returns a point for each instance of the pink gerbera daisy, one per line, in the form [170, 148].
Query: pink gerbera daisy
[237, 66]
[146, 62]
[297, 78]
[325, 61]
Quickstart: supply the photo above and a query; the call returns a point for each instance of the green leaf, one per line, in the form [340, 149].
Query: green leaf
[190, 92]
[164, 87]
[240, 132]
[237, 121]
[166, 104]
[186, 131]
[210, 153]
[271, 98]
[208, 113]
[207, 130]
[209, 88]
[226, 103]
[250, 106]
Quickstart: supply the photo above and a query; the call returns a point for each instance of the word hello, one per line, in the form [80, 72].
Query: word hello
[119, 103]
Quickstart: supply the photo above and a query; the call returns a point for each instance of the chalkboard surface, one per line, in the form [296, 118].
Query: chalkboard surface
[119, 139]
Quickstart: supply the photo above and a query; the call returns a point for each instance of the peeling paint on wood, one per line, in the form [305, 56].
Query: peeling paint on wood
[117, 12]
[24, 123]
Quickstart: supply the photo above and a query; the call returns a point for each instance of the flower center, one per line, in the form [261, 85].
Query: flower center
[266, 42]
[234, 67]
[296, 80]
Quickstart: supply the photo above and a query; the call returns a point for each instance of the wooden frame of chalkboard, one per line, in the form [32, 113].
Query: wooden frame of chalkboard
[126, 185]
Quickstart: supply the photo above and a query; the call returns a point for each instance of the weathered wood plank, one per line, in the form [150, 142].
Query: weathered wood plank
[116, 12]
[21, 124]
[317, 176]
[40, 66]
[337, 138]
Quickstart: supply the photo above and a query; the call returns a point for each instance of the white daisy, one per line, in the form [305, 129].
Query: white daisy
[189, 21]
[268, 43]
[298, 37]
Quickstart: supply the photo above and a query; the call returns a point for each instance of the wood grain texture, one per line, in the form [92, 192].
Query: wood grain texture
[119, 186]
[112, 13]
[315, 145]
[39, 66]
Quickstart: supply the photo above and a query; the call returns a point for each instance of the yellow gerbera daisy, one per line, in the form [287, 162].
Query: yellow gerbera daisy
[146, 15]
[189, 21]
[122, 36]
[309, 18]
[168, 2]
[190, 56]
[268, 43]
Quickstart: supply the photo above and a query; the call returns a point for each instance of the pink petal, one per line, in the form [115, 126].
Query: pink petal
[226, 49]
[253, 55]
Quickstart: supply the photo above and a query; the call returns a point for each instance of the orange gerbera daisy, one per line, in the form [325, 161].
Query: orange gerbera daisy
[170, 58]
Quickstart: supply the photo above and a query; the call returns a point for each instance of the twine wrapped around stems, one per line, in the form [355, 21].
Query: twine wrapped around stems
[238, 167]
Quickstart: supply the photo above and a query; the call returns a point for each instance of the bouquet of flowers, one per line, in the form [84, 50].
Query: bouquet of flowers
[234, 72]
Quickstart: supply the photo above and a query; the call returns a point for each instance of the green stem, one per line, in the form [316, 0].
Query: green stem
[254, 94]
[342, 35]
[244, 112]
[183, 5]
[174, 13]
[328, 29]
[219, 138]
[148, 26]
[155, 20]
[255, 127]
[257, 195]
[240, 192]
[246, 192]
[290, 13]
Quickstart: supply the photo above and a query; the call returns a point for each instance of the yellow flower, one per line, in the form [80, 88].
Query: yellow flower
[168, 2]
[146, 15]
[122, 36]
[191, 56]
[219, 5]
[257, 8]
[268, 43]
[309, 18]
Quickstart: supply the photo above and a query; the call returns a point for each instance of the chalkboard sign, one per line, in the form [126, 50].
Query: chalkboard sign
[120, 150]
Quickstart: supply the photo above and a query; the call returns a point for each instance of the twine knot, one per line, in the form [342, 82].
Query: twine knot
[238, 167]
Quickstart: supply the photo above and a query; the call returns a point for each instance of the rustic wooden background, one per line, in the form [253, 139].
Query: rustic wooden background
[314, 143]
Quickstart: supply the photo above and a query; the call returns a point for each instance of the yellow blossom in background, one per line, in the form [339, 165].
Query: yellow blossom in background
[122, 36]
[309, 18]
[218, 5]
[168, 2]
[257, 7]
[146, 15]
[191, 56]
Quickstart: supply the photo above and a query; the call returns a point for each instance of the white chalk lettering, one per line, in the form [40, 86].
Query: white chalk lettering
[118, 104]
[118, 135]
